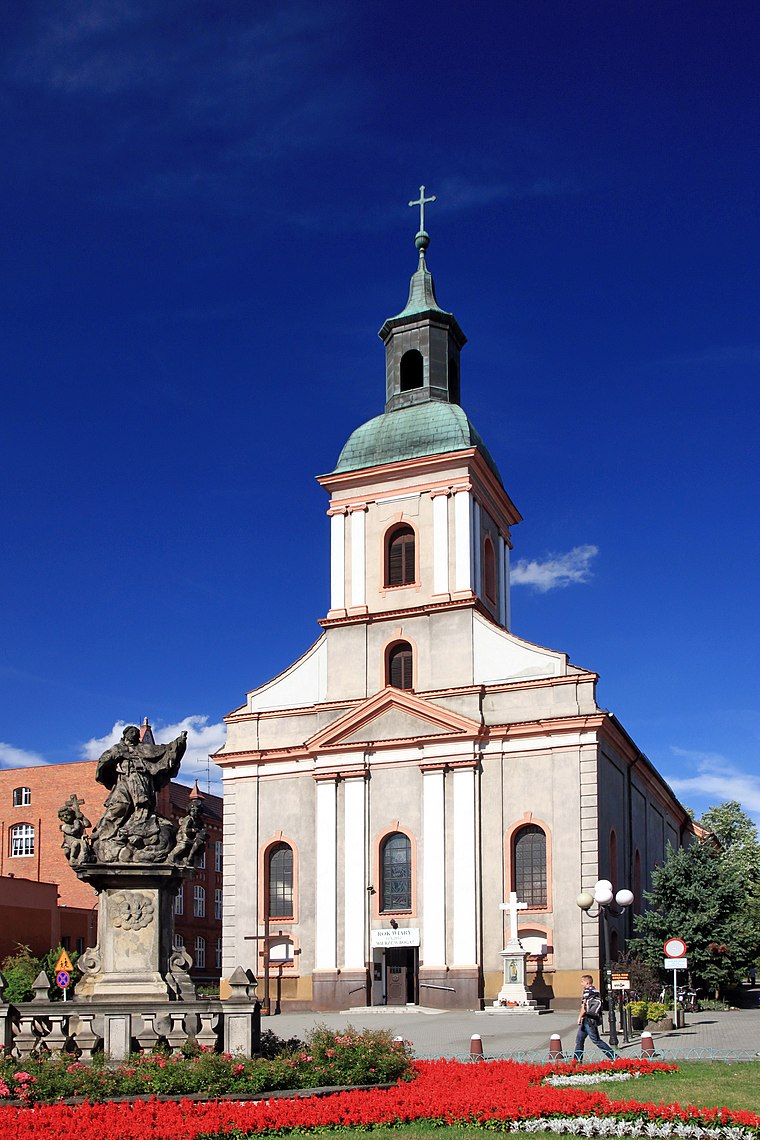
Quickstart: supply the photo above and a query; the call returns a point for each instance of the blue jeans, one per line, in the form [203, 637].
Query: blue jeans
[589, 1028]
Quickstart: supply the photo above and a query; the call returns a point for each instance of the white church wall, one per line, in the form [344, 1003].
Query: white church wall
[303, 684]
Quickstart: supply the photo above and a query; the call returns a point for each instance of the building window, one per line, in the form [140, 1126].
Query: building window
[529, 865]
[489, 570]
[613, 858]
[396, 873]
[400, 567]
[400, 666]
[280, 881]
[202, 861]
[199, 902]
[179, 942]
[218, 865]
[22, 839]
[218, 955]
[411, 371]
[22, 797]
[281, 952]
[200, 953]
[179, 901]
[218, 903]
[80, 945]
[453, 380]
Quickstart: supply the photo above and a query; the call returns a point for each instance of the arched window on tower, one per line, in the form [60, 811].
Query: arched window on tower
[280, 881]
[411, 371]
[529, 878]
[400, 666]
[453, 380]
[400, 567]
[396, 873]
[489, 570]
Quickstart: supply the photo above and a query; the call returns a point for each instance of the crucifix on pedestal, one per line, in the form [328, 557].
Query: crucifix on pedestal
[513, 906]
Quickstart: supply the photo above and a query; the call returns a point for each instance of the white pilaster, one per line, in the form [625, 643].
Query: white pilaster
[337, 561]
[503, 617]
[325, 875]
[355, 879]
[462, 544]
[464, 894]
[441, 544]
[358, 557]
[433, 874]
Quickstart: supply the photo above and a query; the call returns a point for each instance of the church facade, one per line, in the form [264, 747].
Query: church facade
[384, 794]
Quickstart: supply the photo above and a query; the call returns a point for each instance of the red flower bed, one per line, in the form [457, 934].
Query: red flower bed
[447, 1091]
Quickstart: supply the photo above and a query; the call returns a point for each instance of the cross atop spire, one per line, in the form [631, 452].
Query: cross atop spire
[422, 201]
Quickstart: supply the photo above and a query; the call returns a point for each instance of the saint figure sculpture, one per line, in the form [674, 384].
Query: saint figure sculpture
[130, 831]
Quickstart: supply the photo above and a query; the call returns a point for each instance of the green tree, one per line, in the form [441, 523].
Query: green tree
[737, 835]
[22, 968]
[696, 895]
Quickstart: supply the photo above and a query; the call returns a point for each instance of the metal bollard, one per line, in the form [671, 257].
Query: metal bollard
[647, 1044]
[476, 1047]
[555, 1047]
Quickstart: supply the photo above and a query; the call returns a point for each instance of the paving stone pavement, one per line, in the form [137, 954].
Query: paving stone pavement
[442, 1033]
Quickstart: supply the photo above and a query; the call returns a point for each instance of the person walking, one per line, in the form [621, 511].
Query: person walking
[589, 1020]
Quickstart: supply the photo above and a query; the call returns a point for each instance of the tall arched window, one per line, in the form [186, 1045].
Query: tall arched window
[400, 567]
[400, 669]
[613, 858]
[22, 839]
[280, 881]
[453, 380]
[529, 865]
[396, 873]
[200, 953]
[637, 897]
[412, 371]
[489, 570]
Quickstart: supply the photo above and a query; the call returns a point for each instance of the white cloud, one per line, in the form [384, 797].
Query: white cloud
[556, 571]
[11, 757]
[717, 780]
[459, 193]
[202, 739]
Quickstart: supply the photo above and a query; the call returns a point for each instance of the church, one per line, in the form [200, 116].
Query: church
[385, 793]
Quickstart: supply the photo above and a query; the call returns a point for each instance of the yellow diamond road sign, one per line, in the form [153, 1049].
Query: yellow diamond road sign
[64, 962]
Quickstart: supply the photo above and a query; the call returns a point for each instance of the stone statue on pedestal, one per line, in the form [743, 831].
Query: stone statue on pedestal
[129, 830]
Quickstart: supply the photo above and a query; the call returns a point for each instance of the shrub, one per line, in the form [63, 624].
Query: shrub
[327, 1058]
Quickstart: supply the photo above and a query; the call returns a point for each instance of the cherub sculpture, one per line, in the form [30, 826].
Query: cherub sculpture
[191, 836]
[73, 825]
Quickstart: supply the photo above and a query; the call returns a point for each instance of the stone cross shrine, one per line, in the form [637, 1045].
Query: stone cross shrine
[513, 996]
[513, 906]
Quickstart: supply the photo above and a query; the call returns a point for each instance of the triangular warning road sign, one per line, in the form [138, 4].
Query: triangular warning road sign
[63, 963]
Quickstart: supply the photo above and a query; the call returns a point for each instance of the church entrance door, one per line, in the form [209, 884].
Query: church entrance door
[401, 975]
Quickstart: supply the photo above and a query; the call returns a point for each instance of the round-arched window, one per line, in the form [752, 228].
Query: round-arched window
[529, 865]
[399, 562]
[396, 873]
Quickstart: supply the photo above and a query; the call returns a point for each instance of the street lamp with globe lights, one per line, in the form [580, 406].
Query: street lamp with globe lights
[608, 903]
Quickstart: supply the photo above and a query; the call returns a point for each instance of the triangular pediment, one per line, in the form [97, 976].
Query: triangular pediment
[392, 714]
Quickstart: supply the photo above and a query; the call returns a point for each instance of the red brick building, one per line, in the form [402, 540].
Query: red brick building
[30, 850]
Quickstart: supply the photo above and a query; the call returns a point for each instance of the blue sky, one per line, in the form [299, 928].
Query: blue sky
[204, 226]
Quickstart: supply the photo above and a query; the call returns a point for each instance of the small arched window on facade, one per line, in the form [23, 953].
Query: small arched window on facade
[400, 666]
[199, 902]
[280, 881]
[400, 567]
[22, 839]
[412, 371]
[529, 865]
[489, 570]
[200, 953]
[396, 873]
[22, 797]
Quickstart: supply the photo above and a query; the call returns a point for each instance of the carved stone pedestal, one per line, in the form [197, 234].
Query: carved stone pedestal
[513, 996]
[134, 959]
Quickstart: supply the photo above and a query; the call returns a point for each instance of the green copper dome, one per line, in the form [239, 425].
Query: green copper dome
[431, 428]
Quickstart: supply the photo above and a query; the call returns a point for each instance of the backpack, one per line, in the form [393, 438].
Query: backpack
[594, 1006]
